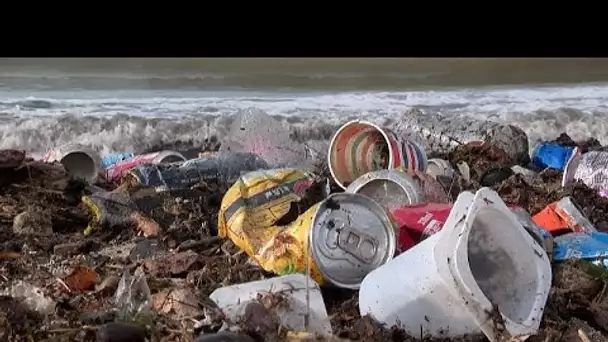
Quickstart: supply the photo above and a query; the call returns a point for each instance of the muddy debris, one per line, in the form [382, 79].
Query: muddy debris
[589, 144]
[480, 158]
[121, 332]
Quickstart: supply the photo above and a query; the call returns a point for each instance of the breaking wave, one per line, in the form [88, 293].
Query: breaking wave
[134, 121]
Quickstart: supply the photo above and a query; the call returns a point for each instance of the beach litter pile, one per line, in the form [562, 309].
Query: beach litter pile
[428, 230]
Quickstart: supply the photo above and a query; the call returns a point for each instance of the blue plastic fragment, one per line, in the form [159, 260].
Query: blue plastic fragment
[114, 158]
[590, 247]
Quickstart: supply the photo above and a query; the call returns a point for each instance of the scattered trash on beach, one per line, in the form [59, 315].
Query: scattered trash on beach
[361, 238]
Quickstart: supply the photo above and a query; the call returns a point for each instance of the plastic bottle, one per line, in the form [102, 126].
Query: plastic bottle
[441, 133]
[221, 169]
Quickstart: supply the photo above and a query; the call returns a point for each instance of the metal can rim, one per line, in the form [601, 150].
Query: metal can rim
[342, 128]
[403, 180]
[166, 153]
[63, 150]
[374, 208]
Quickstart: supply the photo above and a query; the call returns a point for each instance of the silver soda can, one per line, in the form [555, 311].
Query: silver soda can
[351, 235]
[442, 133]
[390, 188]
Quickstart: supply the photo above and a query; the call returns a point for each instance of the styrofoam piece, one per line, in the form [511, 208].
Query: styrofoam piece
[232, 300]
[447, 284]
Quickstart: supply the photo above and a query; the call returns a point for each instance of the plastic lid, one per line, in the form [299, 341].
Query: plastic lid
[351, 235]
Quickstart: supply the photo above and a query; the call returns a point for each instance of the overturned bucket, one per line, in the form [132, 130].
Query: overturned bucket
[359, 147]
[482, 266]
[78, 160]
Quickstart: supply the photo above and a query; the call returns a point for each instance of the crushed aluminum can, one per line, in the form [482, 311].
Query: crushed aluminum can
[121, 168]
[351, 235]
[591, 168]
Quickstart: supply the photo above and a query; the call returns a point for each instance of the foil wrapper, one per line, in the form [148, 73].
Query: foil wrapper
[592, 169]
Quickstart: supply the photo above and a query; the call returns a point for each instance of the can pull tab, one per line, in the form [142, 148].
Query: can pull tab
[356, 243]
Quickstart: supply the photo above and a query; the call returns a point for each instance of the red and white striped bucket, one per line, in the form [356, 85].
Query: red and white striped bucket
[359, 147]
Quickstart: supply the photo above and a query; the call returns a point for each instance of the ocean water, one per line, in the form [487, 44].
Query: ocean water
[132, 104]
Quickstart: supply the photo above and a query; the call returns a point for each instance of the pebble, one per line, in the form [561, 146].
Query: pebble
[96, 318]
[144, 249]
[13, 317]
[121, 332]
[496, 176]
[33, 223]
[224, 336]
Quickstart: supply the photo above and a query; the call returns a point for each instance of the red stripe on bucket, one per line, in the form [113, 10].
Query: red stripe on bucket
[366, 151]
[411, 157]
[395, 151]
[339, 151]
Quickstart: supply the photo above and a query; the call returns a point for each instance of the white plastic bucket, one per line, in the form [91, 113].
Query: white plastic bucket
[78, 160]
[445, 286]
[232, 300]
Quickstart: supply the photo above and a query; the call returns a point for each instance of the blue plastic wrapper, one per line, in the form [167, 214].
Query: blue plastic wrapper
[592, 247]
[552, 155]
[222, 169]
[114, 158]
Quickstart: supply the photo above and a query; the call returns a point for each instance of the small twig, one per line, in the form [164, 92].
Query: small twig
[67, 330]
[64, 284]
[197, 244]
[29, 174]
[583, 336]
